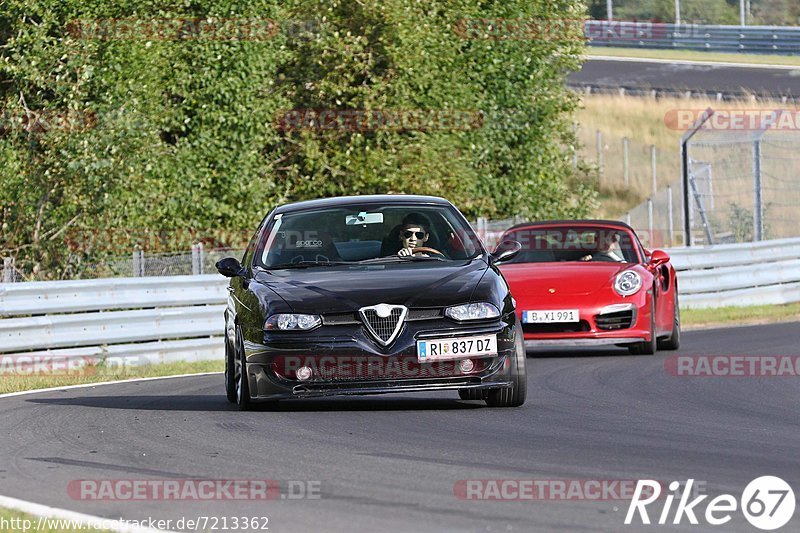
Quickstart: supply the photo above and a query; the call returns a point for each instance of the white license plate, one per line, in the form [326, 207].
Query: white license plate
[550, 316]
[456, 348]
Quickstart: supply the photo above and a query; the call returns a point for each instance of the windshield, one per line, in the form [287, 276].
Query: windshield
[574, 243]
[356, 234]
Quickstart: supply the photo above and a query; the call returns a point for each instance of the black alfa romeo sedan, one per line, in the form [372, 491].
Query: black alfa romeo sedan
[371, 295]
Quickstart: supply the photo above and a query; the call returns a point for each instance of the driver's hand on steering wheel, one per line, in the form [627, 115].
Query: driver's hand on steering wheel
[406, 252]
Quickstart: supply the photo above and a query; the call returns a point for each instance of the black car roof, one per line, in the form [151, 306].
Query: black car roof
[373, 198]
[617, 223]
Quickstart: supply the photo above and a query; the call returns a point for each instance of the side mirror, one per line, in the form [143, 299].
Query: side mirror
[230, 267]
[505, 251]
[658, 258]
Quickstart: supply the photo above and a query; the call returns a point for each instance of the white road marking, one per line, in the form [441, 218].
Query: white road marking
[44, 511]
[98, 384]
[690, 62]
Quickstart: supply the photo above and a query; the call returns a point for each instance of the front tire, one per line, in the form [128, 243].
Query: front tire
[673, 342]
[242, 382]
[647, 347]
[513, 396]
[230, 372]
[472, 394]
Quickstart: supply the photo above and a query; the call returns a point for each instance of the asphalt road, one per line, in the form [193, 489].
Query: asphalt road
[390, 463]
[633, 74]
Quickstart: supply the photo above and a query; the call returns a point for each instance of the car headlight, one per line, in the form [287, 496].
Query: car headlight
[628, 283]
[291, 321]
[476, 311]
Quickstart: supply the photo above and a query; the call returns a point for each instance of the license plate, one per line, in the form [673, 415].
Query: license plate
[456, 348]
[546, 317]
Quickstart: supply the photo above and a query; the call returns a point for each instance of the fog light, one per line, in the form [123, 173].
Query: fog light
[466, 365]
[304, 373]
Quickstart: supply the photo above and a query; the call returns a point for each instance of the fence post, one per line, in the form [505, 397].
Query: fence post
[197, 258]
[600, 151]
[625, 143]
[670, 229]
[758, 208]
[654, 167]
[138, 262]
[481, 223]
[8, 270]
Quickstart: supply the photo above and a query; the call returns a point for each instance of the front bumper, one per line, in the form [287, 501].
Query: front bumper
[336, 351]
[597, 326]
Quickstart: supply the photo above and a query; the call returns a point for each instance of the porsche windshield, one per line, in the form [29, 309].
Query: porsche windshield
[584, 243]
[363, 234]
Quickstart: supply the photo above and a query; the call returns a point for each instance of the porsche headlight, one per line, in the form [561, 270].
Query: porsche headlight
[292, 322]
[628, 283]
[476, 311]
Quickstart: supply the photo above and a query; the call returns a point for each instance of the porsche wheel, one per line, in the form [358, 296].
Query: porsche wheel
[513, 396]
[673, 342]
[647, 347]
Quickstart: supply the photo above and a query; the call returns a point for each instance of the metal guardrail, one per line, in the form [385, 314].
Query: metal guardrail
[174, 318]
[780, 40]
[762, 273]
[180, 317]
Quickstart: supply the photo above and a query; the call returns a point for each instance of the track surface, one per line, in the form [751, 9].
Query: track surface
[633, 74]
[389, 463]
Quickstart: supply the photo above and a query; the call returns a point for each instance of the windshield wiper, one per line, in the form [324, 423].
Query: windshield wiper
[308, 264]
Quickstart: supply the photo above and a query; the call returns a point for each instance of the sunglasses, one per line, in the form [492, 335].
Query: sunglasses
[407, 234]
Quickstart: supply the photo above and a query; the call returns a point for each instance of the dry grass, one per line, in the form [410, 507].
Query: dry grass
[642, 120]
[97, 374]
[690, 55]
[729, 316]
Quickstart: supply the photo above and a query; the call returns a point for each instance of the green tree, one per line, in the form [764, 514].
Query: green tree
[181, 132]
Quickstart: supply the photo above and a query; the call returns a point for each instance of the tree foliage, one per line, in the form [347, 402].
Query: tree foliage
[182, 133]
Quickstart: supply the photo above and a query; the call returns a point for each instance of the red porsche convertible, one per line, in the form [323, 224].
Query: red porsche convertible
[591, 283]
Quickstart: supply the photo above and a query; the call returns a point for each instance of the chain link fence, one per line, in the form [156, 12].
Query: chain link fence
[743, 186]
[137, 264]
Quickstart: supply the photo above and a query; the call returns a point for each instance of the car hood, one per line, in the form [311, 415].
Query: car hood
[568, 279]
[348, 288]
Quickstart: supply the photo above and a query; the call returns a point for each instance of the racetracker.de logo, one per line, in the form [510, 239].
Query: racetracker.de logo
[46, 365]
[360, 120]
[192, 489]
[559, 30]
[732, 366]
[545, 489]
[734, 119]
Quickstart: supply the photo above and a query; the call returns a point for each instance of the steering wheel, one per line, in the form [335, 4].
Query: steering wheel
[426, 249]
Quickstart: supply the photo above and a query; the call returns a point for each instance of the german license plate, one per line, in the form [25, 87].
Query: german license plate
[456, 348]
[550, 316]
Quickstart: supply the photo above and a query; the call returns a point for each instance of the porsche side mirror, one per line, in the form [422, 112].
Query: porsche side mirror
[658, 258]
[505, 251]
[229, 267]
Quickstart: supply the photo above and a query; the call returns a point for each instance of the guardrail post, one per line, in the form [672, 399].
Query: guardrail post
[8, 270]
[197, 258]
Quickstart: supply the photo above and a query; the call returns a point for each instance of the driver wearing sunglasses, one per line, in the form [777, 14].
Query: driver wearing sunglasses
[413, 234]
